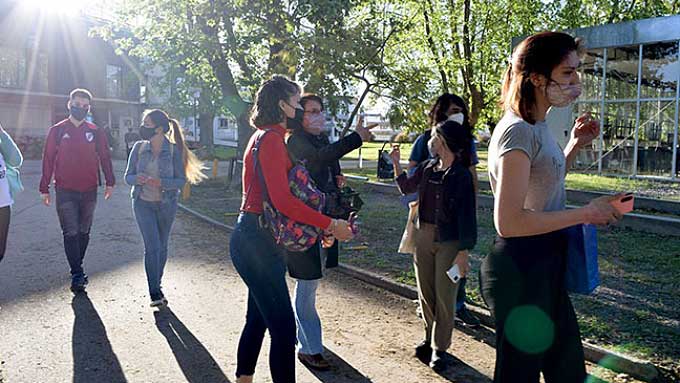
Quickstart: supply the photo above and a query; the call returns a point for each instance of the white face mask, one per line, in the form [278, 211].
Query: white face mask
[457, 117]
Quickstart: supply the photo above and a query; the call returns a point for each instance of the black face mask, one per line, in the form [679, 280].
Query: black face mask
[295, 122]
[146, 133]
[79, 113]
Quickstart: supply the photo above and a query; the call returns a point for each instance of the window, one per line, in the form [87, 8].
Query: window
[114, 81]
[12, 68]
[224, 123]
[41, 75]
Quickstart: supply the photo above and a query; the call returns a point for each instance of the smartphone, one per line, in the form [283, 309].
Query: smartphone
[454, 273]
[353, 224]
[624, 204]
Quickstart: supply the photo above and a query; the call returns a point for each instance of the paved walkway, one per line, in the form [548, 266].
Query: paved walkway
[111, 335]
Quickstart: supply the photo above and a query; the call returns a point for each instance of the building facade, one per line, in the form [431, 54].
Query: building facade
[43, 56]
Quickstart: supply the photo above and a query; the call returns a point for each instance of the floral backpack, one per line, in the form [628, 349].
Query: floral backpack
[288, 233]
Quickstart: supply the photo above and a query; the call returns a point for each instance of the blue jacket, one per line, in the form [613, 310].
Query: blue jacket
[170, 164]
[13, 160]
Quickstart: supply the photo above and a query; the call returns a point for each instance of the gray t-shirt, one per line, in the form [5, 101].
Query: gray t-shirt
[548, 166]
[151, 193]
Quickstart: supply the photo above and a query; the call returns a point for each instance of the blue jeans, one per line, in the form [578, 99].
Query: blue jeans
[260, 263]
[461, 297]
[308, 322]
[155, 221]
[76, 212]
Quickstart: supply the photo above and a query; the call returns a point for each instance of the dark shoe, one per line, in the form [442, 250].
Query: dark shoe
[78, 283]
[424, 352]
[466, 318]
[315, 362]
[437, 362]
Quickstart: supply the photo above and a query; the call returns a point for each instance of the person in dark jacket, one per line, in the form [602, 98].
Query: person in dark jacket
[322, 160]
[448, 107]
[445, 233]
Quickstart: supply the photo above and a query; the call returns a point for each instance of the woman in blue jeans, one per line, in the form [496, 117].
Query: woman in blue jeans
[157, 169]
[256, 257]
[308, 143]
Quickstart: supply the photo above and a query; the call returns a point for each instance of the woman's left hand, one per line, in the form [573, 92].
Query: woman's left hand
[586, 129]
[463, 262]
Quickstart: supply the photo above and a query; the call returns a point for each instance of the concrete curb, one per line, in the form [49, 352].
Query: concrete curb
[638, 369]
[634, 221]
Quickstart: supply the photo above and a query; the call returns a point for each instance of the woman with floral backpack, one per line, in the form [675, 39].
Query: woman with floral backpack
[256, 255]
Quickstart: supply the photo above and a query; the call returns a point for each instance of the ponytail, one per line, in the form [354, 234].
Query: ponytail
[193, 167]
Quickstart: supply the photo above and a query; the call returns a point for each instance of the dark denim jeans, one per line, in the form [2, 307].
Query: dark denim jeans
[5, 214]
[461, 298]
[155, 222]
[76, 211]
[260, 263]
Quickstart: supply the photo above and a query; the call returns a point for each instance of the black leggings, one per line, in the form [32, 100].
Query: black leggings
[522, 282]
[5, 213]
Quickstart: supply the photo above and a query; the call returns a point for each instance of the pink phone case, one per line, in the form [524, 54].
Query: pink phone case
[625, 204]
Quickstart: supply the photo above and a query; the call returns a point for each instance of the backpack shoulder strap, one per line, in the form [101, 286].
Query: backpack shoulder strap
[256, 166]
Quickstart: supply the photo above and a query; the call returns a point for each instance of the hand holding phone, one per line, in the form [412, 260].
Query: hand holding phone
[454, 273]
[624, 204]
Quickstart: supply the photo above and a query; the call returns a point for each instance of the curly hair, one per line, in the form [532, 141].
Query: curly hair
[266, 109]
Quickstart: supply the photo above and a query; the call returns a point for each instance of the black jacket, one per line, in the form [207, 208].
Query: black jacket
[457, 219]
[322, 160]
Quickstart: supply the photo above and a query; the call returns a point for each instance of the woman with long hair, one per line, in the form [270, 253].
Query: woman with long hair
[159, 166]
[445, 232]
[254, 252]
[522, 279]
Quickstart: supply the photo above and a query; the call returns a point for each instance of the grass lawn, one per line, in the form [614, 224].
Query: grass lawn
[576, 181]
[224, 153]
[635, 310]
[369, 151]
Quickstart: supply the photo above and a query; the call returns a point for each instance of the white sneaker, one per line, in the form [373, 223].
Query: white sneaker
[162, 302]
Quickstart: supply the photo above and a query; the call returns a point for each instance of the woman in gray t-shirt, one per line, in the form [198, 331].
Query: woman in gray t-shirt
[523, 277]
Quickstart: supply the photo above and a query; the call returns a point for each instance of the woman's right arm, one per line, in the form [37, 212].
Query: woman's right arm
[512, 220]
[131, 170]
[10, 150]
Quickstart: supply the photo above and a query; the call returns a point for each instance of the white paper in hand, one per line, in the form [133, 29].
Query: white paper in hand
[454, 273]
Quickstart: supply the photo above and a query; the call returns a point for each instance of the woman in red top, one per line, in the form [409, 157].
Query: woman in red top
[256, 257]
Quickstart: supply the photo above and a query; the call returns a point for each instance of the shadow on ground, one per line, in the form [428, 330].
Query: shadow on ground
[93, 358]
[196, 363]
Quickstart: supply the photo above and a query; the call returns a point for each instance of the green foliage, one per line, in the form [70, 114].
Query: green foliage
[463, 47]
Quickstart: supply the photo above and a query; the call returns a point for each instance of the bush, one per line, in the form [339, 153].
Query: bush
[31, 147]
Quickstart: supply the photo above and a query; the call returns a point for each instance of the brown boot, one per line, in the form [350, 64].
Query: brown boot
[315, 362]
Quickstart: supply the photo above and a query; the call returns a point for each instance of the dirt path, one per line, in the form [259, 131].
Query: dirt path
[111, 335]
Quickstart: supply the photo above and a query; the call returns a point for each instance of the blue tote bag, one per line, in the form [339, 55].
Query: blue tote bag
[583, 274]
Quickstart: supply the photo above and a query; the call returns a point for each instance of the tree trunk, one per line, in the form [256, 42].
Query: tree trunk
[244, 132]
[206, 121]
[352, 115]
